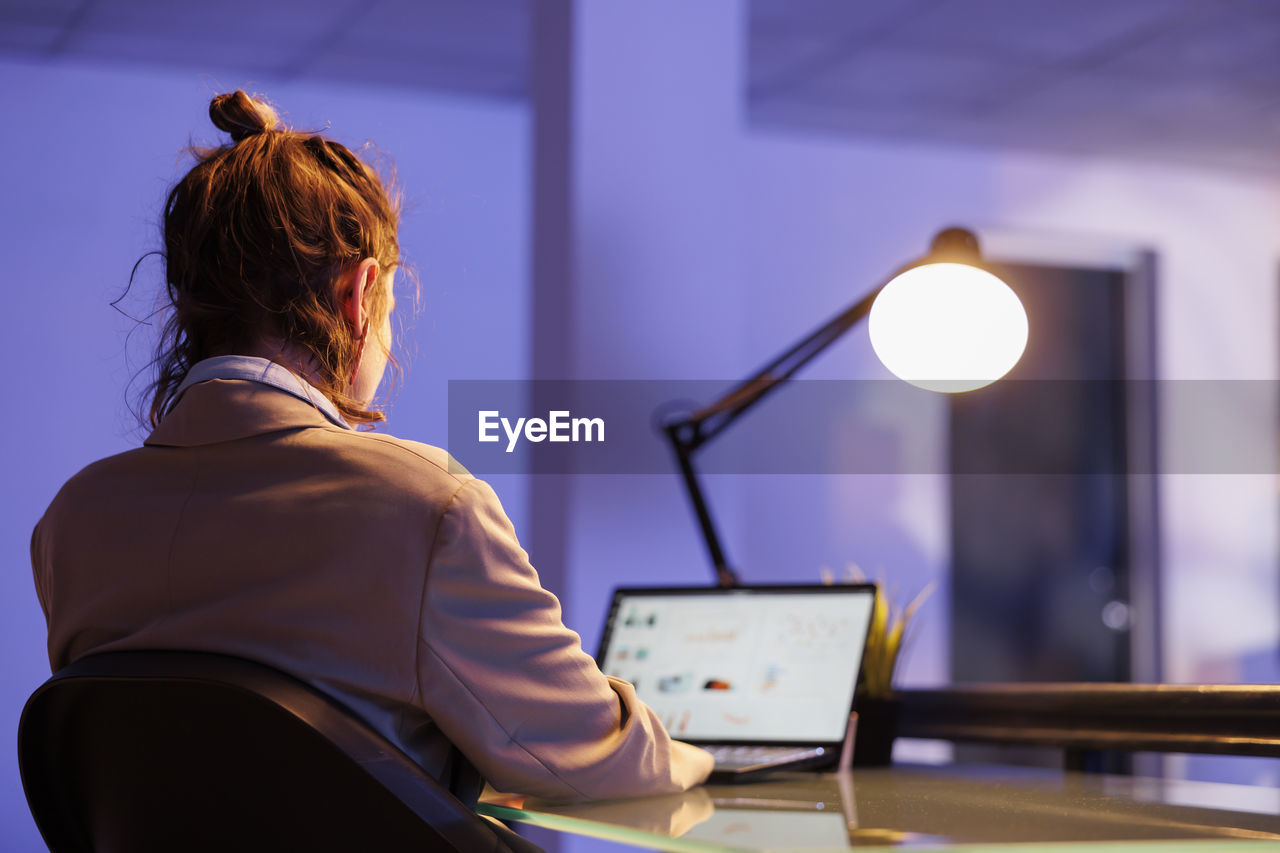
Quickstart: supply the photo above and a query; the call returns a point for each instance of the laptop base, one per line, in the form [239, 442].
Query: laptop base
[748, 764]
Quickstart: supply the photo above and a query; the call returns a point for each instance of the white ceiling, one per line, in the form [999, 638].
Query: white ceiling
[471, 47]
[1194, 81]
[1190, 81]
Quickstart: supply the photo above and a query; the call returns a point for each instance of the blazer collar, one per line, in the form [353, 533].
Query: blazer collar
[228, 409]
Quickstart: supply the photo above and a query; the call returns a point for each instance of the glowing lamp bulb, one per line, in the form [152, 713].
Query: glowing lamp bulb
[948, 327]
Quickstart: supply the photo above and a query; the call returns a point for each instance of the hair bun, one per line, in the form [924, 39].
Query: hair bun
[241, 116]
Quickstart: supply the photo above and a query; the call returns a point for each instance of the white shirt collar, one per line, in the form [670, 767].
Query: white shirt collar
[265, 372]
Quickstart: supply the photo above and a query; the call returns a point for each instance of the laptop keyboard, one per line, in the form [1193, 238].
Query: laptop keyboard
[737, 757]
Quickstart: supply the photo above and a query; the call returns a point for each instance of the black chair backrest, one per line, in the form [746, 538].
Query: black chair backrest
[142, 751]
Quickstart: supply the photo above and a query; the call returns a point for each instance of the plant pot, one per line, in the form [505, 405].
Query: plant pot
[877, 727]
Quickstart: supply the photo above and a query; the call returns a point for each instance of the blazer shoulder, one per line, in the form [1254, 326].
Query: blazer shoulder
[108, 467]
[423, 458]
[86, 488]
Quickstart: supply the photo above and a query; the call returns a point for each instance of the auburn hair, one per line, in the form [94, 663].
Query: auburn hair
[255, 237]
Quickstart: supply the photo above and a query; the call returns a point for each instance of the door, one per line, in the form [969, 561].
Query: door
[1042, 545]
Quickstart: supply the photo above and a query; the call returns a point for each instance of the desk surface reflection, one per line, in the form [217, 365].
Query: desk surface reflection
[936, 807]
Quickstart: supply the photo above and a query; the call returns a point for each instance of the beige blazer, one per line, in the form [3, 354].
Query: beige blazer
[248, 524]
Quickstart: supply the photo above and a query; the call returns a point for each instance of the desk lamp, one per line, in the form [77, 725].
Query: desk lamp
[941, 323]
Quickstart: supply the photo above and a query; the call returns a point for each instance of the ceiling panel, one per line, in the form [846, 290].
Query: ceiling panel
[1234, 41]
[33, 28]
[791, 40]
[471, 47]
[495, 26]
[1038, 32]
[280, 26]
[461, 46]
[884, 79]
[110, 46]
[438, 72]
[35, 13]
[27, 40]
[780, 17]
[1187, 81]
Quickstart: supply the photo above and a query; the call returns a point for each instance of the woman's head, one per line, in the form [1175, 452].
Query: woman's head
[281, 241]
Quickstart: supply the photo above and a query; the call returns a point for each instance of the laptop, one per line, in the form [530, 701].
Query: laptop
[761, 676]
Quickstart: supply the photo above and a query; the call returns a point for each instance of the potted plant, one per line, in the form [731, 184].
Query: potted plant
[877, 705]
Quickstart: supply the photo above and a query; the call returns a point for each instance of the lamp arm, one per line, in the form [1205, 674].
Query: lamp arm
[725, 576]
[689, 434]
[711, 420]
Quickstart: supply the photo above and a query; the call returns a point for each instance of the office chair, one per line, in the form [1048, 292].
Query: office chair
[142, 751]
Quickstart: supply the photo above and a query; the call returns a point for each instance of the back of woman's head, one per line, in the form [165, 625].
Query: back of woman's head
[255, 238]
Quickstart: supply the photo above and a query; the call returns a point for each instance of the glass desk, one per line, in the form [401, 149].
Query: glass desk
[950, 807]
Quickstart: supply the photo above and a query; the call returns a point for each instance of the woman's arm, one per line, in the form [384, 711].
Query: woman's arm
[510, 685]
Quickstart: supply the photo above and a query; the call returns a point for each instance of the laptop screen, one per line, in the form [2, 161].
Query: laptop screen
[747, 664]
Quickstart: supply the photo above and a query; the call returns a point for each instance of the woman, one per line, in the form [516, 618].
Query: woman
[256, 521]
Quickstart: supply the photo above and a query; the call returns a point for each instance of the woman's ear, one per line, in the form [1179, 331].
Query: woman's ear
[354, 288]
